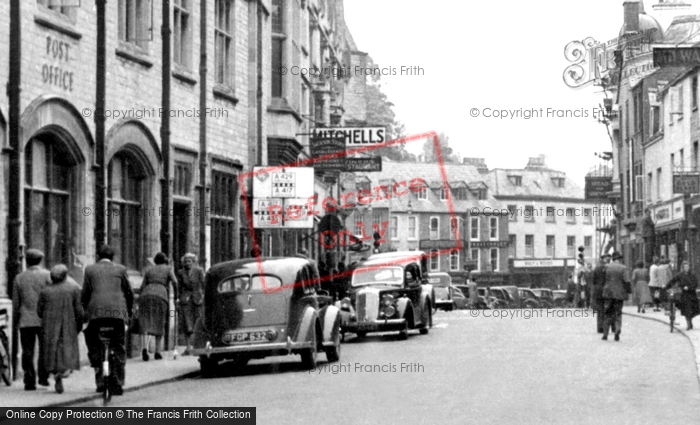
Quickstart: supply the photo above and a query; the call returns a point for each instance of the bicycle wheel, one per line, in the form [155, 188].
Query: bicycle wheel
[5, 363]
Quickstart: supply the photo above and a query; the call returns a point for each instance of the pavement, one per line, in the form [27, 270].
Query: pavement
[693, 335]
[79, 387]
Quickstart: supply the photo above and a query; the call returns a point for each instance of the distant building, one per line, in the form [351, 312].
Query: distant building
[548, 219]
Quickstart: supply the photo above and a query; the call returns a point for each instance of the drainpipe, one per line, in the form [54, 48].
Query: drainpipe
[100, 101]
[259, 234]
[165, 132]
[12, 264]
[203, 133]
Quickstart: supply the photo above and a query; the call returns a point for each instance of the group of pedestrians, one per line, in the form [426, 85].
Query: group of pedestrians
[612, 284]
[50, 310]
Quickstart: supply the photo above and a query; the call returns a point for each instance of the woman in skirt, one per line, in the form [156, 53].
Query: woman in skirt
[640, 286]
[153, 303]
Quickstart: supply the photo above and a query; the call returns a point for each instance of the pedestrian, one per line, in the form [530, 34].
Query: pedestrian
[25, 296]
[302, 253]
[191, 283]
[61, 315]
[664, 275]
[154, 297]
[473, 292]
[598, 281]
[571, 290]
[587, 279]
[687, 302]
[255, 252]
[577, 278]
[108, 301]
[640, 279]
[655, 287]
[615, 292]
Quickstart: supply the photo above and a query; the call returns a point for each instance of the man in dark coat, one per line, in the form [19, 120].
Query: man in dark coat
[616, 290]
[62, 319]
[108, 300]
[598, 281]
[688, 301]
[28, 286]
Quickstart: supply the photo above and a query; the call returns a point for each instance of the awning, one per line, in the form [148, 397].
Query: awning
[676, 225]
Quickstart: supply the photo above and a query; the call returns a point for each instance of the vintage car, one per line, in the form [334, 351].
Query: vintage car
[560, 298]
[528, 299]
[460, 300]
[491, 301]
[442, 291]
[503, 296]
[464, 290]
[388, 292]
[257, 309]
[546, 297]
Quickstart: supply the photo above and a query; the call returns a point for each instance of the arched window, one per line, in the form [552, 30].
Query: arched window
[48, 185]
[126, 212]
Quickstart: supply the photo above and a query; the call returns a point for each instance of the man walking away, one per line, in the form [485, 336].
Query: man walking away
[616, 290]
[664, 275]
[654, 285]
[108, 300]
[598, 282]
[28, 286]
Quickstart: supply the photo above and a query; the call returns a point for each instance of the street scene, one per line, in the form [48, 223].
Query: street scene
[276, 211]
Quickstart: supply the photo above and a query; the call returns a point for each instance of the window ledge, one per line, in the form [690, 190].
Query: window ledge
[57, 22]
[280, 105]
[224, 92]
[184, 76]
[134, 53]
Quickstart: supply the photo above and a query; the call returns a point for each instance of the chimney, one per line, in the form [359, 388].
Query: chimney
[479, 163]
[631, 15]
[537, 162]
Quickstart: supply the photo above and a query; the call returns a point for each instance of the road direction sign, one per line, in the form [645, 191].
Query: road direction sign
[289, 182]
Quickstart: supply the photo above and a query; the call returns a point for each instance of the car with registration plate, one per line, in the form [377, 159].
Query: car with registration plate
[388, 292]
[274, 306]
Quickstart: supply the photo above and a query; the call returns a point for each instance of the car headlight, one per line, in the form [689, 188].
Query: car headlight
[387, 308]
[345, 304]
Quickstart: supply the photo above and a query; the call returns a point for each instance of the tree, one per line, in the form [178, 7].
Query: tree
[380, 112]
[448, 154]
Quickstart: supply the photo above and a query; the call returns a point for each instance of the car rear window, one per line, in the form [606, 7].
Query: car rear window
[388, 275]
[249, 283]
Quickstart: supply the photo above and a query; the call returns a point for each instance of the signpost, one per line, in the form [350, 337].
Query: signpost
[280, 197]
[354, 137]
[676, 56]
[328, 146]
[686, 183]
[363, 164]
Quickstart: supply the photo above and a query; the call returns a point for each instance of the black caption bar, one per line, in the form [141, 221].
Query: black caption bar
[28, 416]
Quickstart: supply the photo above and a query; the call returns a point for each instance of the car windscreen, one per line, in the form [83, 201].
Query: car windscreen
[383, 275]
[244, 283]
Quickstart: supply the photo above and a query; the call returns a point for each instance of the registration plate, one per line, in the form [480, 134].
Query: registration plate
[239, 337]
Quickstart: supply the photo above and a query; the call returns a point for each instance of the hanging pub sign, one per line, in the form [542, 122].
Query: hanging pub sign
[686, 183]
[597, 188]
[333, 148]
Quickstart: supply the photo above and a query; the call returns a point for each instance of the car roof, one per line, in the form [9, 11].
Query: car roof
[439, 278]
[398, 261]
[284, 267]
[394, 254]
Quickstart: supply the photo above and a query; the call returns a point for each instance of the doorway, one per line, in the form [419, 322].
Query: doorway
[181, 230]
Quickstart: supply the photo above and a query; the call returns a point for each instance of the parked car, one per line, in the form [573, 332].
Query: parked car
[491, 301]
[388, 293]
[546, 297]
[560, 298]
[528, 298]
[464, 289]
[504, 296]
[255, 310]
[513, 291]
[460, 300]
[442, 291]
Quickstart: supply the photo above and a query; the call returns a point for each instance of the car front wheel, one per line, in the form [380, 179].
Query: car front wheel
[333, 352]
[427, 321]
[208, 365]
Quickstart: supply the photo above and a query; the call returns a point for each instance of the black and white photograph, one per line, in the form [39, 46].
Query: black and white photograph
[350, 211]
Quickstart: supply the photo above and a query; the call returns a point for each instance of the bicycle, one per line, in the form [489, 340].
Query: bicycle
[105, 335]
[5, 359]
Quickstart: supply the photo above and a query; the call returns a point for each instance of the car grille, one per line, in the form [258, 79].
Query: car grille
[361, 305]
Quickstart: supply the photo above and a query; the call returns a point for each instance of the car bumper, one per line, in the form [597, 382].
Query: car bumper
[375, 326]
[444, 304]
[287, 346]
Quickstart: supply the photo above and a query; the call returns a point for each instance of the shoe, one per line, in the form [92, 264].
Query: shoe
[644, 310]
[157, 356]
[117, 391]
[30, 388]
[44, 382]
[144, 355]
[617, 337]
[99, 381]
[600, 331]
[59, 385]
[605, 337]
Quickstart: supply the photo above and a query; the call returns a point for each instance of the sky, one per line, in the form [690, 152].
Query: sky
[491, 55]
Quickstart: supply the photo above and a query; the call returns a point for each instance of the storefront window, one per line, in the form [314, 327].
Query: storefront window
[126, 211]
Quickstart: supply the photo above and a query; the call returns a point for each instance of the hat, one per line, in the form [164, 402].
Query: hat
[59, 273]
[606, 255]
[616, 256]
[33, 254]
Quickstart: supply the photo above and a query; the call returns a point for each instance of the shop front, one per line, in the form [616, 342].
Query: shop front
[542, 273]
[671, 227]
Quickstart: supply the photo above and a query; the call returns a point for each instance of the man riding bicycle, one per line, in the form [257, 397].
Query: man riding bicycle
[107, 298]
